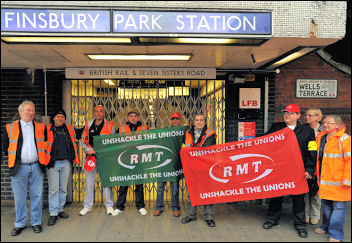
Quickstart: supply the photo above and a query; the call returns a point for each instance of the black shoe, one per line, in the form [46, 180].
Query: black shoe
[63, 215]
[17, 231]
[186, 220]
[302, 233]
[210, 223]
[268, 225]
[37, 228]
[52, 220]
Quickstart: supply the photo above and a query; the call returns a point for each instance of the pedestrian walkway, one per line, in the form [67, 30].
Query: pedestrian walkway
[234, 222]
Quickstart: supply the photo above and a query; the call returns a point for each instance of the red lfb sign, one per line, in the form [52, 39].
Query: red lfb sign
[263, 167]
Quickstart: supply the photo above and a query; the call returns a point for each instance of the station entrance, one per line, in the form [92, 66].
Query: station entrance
[155, 100]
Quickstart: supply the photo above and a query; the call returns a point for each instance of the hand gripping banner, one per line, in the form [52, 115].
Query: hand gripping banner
[137, 158]
[263, 167]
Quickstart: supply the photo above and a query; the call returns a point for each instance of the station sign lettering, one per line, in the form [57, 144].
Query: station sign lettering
[46, 20]
[115, 22]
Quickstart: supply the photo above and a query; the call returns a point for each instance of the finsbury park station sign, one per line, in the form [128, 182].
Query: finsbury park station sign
[117, 22]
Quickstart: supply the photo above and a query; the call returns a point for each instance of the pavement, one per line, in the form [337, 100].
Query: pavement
[234, 222]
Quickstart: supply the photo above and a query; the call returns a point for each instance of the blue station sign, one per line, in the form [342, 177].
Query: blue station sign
[143, 22]
[192, 22]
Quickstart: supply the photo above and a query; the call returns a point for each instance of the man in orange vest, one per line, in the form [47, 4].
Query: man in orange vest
[132, 125]
[199, 136]
[24, 144]
[61, 150]
[95, 127]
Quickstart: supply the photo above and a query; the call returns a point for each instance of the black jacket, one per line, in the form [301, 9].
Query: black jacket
[69, 144]
[5, 142]
[209, 141]
[304, 134]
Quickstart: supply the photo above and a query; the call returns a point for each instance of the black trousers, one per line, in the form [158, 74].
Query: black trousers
[139, 197]
[298, 211]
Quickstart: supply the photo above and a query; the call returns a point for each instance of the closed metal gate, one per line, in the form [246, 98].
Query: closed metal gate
[155, 100]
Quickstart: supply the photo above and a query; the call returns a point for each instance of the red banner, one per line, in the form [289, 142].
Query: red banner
[263, 167]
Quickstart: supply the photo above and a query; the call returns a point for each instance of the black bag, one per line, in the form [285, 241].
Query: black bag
[313, 185]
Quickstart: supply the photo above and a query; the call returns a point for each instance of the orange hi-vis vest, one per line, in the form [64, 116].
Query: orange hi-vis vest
[50, 141]
[106, 130]
[190, 141]
[335, 178]
[126, 128]
[13, 130]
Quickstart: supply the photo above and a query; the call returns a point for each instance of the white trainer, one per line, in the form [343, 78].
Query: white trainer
[116, 212]
[84, 211]
[109, 210]
[142, 211]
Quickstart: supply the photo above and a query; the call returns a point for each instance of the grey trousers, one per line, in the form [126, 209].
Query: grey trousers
[313, 205]
[89, 195]
[192, 210]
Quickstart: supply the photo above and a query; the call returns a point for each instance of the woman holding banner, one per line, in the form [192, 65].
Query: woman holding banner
[199, 136]
[334, 176]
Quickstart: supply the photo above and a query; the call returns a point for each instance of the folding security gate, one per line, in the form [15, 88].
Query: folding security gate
[155, 100]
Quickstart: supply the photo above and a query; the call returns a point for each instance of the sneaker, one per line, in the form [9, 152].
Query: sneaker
[307, 220]
[116, 212]
[109, 210]
[176, 213]
[142, 211]
[84, 211]
[333, 240]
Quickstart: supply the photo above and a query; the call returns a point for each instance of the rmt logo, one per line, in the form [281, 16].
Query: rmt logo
[239, 166]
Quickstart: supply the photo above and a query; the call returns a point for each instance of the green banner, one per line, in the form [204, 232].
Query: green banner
[142, 157]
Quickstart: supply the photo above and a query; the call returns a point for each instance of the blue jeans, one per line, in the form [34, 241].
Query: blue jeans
[29, 177]
[57, 180]
[174, 196]
[333, 218]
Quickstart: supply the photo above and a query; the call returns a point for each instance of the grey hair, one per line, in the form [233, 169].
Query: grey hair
[24, 103]
[338, 120]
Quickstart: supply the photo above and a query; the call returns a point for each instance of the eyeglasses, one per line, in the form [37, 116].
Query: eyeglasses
[310, 115]
[329, 123]
[289, 113]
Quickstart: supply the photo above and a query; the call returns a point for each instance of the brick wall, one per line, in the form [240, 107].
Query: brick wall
[17, 86]
[312, 66]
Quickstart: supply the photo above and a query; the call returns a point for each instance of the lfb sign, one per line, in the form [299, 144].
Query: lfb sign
[249, 98]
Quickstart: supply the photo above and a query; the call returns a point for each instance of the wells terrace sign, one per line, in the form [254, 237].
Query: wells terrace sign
[116, 22]
[137, 158]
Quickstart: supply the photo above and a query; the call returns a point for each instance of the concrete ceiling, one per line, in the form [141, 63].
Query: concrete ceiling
[219, 56]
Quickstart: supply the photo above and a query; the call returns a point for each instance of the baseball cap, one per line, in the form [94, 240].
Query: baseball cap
[90, 163]
[176, 115]
[292, 108]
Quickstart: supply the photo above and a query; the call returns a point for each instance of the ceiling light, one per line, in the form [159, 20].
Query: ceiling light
[291, 57]
[201, 41]
[48, 39]
[140, 57]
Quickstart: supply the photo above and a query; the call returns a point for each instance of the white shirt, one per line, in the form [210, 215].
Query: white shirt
[29, 152]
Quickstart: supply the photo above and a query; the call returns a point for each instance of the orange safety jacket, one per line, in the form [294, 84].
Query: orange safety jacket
[50, 142]
[126, 128]
[189, 141]
[13, 131]
[106, 130]
[334, 180]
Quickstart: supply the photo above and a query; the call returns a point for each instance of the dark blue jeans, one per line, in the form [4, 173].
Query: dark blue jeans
[175, 204]
[333, 218]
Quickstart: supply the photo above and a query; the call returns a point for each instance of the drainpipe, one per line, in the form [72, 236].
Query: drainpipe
[266, 105]
[46, 118]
